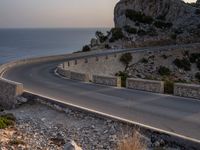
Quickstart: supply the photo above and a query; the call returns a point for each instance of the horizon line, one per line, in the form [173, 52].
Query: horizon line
[54, 27]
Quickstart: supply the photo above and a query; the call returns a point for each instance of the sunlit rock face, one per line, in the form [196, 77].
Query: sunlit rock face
[144, 21]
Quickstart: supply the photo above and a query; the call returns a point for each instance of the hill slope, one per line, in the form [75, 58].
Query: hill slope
[141, 23]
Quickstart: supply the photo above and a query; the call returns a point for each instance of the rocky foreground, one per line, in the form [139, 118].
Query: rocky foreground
[39, 126]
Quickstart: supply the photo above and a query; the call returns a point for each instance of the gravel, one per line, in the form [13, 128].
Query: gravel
[41, 127]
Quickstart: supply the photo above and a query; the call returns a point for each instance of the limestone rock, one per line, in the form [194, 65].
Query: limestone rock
[158, 22]
[198, 3]
[21, 100]
[72, 146]
[176, 11]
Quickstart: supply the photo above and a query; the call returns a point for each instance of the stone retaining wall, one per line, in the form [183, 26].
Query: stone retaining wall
[79, 76]
[101, 65]
[187, 90]
[105, 80]
[108, 64]
[110, 81]
[145, 85]
[8, 92]
[64, 73]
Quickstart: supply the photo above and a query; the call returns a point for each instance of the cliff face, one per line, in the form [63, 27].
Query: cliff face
[198, 3]
[175, 11]
[147, 21]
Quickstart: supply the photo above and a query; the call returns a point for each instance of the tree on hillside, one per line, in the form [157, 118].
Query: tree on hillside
[99, 35]
[126, 59]
[86, 48]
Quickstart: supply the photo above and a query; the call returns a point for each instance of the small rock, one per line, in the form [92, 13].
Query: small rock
[72, 146]
[58, 141]
[21, 100]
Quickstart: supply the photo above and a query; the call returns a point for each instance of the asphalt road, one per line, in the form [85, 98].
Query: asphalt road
[173, 114]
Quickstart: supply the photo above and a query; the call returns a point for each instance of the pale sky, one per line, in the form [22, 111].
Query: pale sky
[57, 13]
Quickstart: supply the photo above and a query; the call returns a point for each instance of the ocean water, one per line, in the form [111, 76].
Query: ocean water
[25, 43]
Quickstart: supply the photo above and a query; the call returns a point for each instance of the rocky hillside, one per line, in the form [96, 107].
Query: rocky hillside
[158, 21]
[141, 23]
[198, 3]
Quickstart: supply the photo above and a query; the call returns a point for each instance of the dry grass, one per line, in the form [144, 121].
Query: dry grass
[133, 142]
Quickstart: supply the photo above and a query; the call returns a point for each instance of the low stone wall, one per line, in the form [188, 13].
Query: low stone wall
[97, 65]
[72, 75]
[105, 80]
[145, 85]
[64, 73]
[79, 76]
[187, 90]
[8, 92]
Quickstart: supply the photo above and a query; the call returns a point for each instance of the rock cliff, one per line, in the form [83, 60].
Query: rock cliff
[141, 23]
[176, 12]
[158, 22]
[198, 3]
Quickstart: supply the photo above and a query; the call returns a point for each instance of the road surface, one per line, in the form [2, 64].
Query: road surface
[169, 113]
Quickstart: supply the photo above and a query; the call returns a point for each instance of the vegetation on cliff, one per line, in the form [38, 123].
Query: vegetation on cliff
[151, 23]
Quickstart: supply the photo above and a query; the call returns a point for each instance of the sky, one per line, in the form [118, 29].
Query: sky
[57, 13]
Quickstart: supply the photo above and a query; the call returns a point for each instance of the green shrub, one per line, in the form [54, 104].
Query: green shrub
[198, 64]
[126, 59]
[197, 76]
[151, 31]
[130, 30]
[161, 17]
[123, 76]
[86, 48]
[168, 87]
[6, 120]
[178, 31]
[183, 64]
[181, 81]
[164, 71]
[186, 53]
[194, 57]
[162, 25]
[164, 56]
[117, 34]
[142, 32]
[1, 108]
[144, 61]
[138, 16]
[102, 38]
[173, 36]
[137, 24]
[197, 12]
[107, 46]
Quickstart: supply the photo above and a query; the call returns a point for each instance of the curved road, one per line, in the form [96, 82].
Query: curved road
[173, 114]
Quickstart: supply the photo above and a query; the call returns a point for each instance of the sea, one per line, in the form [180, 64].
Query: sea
[26, 43]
